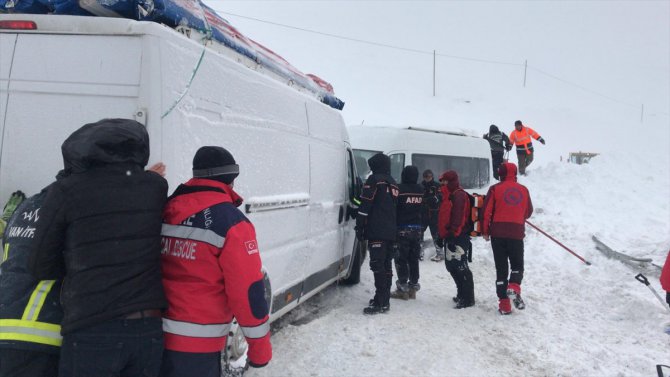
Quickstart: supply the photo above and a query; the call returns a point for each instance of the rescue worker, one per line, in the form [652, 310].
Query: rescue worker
[376, 222]
[409, 210]
[211, 271]
[431, 206]
[521, 137]
[506, 208]
[99, 228]
[30, 311]
[499, 143]
[665, 279]
[454, 232]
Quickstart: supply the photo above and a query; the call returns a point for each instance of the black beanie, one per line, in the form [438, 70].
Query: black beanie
[215, 163]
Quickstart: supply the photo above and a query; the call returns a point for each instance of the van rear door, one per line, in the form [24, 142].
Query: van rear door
[50, 85]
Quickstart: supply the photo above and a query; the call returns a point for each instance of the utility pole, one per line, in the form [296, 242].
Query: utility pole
[525, 70]
[434, 55]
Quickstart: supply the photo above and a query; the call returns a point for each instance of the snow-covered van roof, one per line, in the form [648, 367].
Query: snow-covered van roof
[193, 19]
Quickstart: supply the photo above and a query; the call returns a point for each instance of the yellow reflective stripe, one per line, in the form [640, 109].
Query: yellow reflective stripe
[30, 331]
[36, 301]
[5, 255]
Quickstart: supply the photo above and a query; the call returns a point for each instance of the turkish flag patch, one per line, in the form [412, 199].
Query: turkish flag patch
[251, 246]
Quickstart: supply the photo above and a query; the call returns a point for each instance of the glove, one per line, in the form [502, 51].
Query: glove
[439, 243]
[541, 140]
[509, 147]
[254, 365]
[359, 233]
[13, 202]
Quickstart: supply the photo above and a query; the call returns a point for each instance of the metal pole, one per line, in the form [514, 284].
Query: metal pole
[525, 70]
[434, 54]
[559, 243]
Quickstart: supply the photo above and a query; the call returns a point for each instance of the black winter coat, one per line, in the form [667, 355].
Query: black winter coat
[410, 199]
[432, 197]
[17, 285]
[99, 228]
[377, 212]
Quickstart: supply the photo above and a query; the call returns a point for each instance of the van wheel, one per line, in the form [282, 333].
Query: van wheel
[234, 355]
[359, 256]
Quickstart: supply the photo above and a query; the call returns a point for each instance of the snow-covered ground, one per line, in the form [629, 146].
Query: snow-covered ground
[580, 320]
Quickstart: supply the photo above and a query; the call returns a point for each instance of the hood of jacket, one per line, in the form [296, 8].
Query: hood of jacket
[380, 164]
[452, 180]
[493, 129]
[410, 174]
[109, 141]
[507, 171]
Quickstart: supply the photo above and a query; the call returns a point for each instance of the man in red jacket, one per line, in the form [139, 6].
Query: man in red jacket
[211, 271]
[452, 228]
[665, 279]
[506, 208]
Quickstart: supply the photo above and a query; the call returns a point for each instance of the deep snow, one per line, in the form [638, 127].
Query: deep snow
[580, 320]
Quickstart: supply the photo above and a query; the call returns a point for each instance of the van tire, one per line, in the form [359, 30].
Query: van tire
[355, 270]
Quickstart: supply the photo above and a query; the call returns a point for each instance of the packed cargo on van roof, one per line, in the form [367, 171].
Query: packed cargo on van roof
[192, 18]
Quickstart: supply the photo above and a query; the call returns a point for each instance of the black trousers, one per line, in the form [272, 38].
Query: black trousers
[496, 160]
[187, 364]
[120, 347]
[456, 260]
[507, 250]
[381, 258]
[407, 262]
[24, 363]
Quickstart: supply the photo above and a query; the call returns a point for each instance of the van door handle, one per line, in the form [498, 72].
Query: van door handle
[340, 216]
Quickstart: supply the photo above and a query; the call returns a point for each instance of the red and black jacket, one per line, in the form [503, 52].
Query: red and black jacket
[665, 275]
[212, 272]
[454, 212]
[507, 206]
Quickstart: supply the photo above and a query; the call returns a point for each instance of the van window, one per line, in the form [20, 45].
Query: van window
[472, 172]
[361, 157]
[397, 164]
[351, 173]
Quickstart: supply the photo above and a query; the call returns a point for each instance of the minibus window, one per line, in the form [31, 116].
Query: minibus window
[472, 172]
[397, 164]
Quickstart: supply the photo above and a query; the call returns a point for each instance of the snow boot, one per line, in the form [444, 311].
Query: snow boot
[401, 295]
[504, 306]
[462, 304]
[514, 292]
[437, 258]
[375, 308]
[413, 288]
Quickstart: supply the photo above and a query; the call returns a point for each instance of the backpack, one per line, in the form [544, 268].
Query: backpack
[474, 226]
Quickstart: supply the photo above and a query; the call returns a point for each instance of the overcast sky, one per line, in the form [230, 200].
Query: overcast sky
[596, 61]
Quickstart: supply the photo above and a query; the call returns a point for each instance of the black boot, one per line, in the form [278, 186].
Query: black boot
[375, 308]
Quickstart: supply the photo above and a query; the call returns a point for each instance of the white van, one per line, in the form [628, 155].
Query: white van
[297, 174]
[424, 148]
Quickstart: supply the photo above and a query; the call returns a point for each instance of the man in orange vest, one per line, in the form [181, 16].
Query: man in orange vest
[521, 137]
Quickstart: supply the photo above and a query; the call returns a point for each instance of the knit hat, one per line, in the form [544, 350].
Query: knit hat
[380, 163]
[215, 163]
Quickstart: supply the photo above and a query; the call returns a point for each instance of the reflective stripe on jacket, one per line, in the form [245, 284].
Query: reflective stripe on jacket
[212, 272]
[30, 312]
[522, 139]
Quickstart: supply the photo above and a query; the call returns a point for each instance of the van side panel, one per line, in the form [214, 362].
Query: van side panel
[53, 90]
[264, 126]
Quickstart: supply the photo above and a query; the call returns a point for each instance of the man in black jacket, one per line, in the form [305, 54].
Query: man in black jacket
[99, 229]
[431, 206]
[409, 211]
[30, 312]
[499, 143]
[376, 222]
